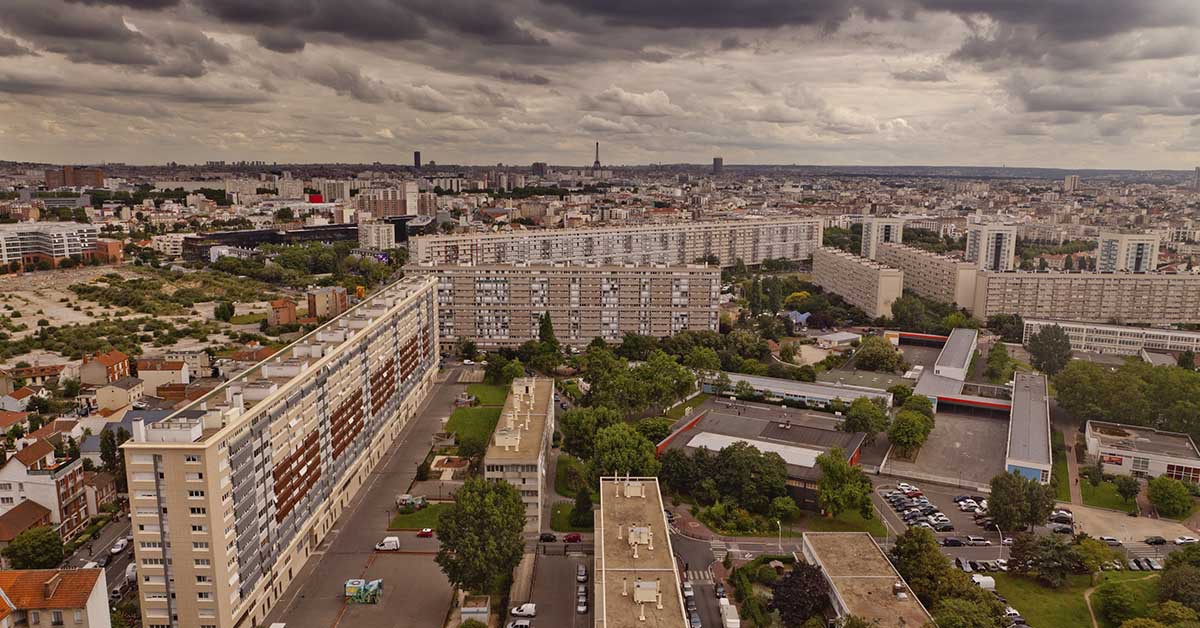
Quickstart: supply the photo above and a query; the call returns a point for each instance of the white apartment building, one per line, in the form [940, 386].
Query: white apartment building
[379, 236]
[877, 230]
[169, 244]
[28, 243]
[750, 240]
[501, 306]
[991, 246]
[1127, 252]
[867, 285]
[332, 190]
[231, 495]
[1146, 298]
[517, 451]
[1118, 339]
[930, 275]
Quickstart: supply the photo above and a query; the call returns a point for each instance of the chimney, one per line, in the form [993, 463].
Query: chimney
[51, 585]
[139, 430]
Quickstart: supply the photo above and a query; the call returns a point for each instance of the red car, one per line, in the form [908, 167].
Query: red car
[573, 537]
[425, 533]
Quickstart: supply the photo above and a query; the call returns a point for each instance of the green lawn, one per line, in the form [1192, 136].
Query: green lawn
[676, 413]
[1063, 607]
[1103, 496]
[1060, 470]
[488, 395]
[424, 518]
[845, 522]
[1145, 592]
[569, 467]
[470, 423]
[246, 319]
[560, 519]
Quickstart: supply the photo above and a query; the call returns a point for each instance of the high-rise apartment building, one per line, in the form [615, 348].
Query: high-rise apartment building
[1148, 298]
[1132, 252]
[230, 495]
[332, 191]
[401, 200]
[1196, 180]
[417, 159]
[74, 177]
[718, 166]
[1070, 183]
[751, 241]
[517, 451]
[501, 306]
[861, 282]
[930, 275]
[991, 246]
[379, 236]
[877, 230]
[538, 169]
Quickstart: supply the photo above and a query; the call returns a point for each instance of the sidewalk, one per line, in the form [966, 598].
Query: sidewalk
[1073, 473]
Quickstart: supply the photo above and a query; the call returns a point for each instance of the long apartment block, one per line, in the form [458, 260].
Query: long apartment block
[500, 306]
[517, 452]
[1149, 298]
[231, 494]
[867, 285]
[930, 275]
[1118, 339]
[750, 240]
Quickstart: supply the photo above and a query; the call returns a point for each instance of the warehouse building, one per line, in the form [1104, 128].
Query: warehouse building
[865, 284]
[1142, 452]
[1028, 452]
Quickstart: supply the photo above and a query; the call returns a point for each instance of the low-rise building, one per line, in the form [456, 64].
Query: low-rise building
[1142, 452]
[17, 400]
[862, 581]
[954, 360]
[26, 515]
[283, 312]
[104, 368]
[55, 597]
[123, 392]
[811, 394]
[328, 302]
[1028, 452]
[156, 373]
[35, 473]
[100, 489]
[865, 284]
[517, 451]
[1118, 339]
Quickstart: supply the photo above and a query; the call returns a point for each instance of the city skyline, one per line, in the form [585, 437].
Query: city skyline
[1066, 84]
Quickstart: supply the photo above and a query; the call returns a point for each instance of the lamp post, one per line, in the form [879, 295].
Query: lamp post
[779, 524]
[1001, 533]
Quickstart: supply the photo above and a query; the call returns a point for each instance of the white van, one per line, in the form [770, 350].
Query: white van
[131, 573]
[388, 544]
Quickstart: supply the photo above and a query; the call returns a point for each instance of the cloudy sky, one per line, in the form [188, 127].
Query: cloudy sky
[1059, 83]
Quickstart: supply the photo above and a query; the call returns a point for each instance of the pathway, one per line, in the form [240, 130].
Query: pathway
[1073, 471]
[1087, 598]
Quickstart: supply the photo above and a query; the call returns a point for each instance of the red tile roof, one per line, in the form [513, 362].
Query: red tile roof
[111, 358]
[21, 393]
[22, 517]
[28, 588]
[33, 453]
[9, 419]
[27, 372]
[255, 355]
[53, 427]
[160, 365]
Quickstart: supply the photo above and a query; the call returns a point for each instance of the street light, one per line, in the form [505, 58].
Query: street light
[1001, 533]
[780, 526]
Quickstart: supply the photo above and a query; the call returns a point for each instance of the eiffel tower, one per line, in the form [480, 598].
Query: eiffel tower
[596, 164]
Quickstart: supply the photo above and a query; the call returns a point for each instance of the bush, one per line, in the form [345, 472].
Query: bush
[1116, 602]
[1170, 497]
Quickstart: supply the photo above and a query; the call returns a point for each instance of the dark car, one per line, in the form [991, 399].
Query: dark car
[573, 537]
[719, 589]
[103, 560]
[1062, 529]
[952, 542]
[961, 498]
[547, 537]
[1155, 540]
[945, 526]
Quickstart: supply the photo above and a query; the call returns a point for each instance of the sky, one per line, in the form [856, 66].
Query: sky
[1052, 83]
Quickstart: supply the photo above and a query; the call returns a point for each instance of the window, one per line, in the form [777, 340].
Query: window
[195, 494]
[199, 528]
[191, 459]
[202, 579]
[1141, 464]
[198, 511]
[35, 617]
[6, 500]
[200, 545]
[202, 562]
[204, 595]
[79, 617]
[6, 486]
[1180, 472]
[56, 618]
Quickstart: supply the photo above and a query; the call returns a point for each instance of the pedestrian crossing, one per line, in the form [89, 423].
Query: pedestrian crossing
[699, 577]
[718, 550]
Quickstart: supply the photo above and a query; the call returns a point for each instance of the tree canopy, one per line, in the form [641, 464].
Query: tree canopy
[1049, 349]
[864, 415]
[621, 450]
[481, 535]
[842, 486]
[1017, 502]
[36, 548]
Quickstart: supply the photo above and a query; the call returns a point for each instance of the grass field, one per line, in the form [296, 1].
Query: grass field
[560, 519]
[473, 423]
[1145, 592]
[488, 395]
[1060, 470]
[1063, 607]
[845, 522]
[570, 467]
[246, 319]
[676, 412]
[1103, 496]
[424, 518]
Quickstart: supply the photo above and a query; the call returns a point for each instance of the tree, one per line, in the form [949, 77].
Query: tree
[1172, 612]
[1143, 622]
[877, 354]
[1186, 555]
[704, 361]
[1010, 327]
[108, 450]
[1017, 501]
[621, 450]
[908, 431]
[960, 613]
[546, 332]
[1181, 584]
[223, 311]
[864, 416]
[1169, 496]
[467, 349]
[1127, 486]
[70, 388]
[1049, 349]
[784, 509]
[511, 371]
[900, 394]
[581, 514]
[72, 448]
[1187, 360]
[749, 477]
[579, 426]
[655, 429]
[919, 403]
[636, 346]
[921, 563]
[1115, 602]
[998, 362]
[36, 548]
[842, 486]
[800, 594]
[481, 535]
[1095, 553]
[1068, 263]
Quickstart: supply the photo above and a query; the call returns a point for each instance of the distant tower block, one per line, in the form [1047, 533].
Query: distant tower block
[417, 159]
[718, 166]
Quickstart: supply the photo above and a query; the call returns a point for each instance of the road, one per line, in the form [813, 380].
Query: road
[114, 573]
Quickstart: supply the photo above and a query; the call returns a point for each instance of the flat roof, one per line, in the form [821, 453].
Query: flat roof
[956, 353]
[931, 384]
[864, 579]
[791, 454]
[635, 506]
[1029, 421]
[809, 389]
[523, 420]
[1142, 439]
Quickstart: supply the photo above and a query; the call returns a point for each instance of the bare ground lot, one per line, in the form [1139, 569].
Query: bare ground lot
[961, 448]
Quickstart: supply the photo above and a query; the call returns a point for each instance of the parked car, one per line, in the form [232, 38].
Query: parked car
[118, 547]
[694, 621]
[1062, 529]
[547, 537]
[1133, 565]
[103, 560]
[944, 526]
[519, 623]
[977, 540]
[388, 544]
[963, 565]
[581, 574]
[1185, 540]
[688, 591]
[719, 589]
[1008, 540]
[581, 606]
[951, 542]
[1111, 541]
[573, 537]
[1154, 564]
[1155, 540]
[425, 533]
[525, 610]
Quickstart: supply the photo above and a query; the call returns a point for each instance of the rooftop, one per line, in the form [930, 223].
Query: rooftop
[1029, 421]
[20, 518]
[956, 353]
[46, 227]
[864, 579]
[809, 389]
[863, 261]
[35, 589]
[1142, 439]
[520, 432]
[632, 510]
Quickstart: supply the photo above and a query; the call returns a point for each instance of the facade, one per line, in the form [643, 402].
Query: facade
[169, 244]
[517, 451]
[402, 200]
[327, 302]
[635, 578]
[1028, 452]
[283, 312]
[1118, 339]
[1127, 252]
[74, 177]
[861, 282]
[34, 473]
[50, 242]
[877, 230]
[156, 373]
[751, 241]
[102, 368]
[54, 597]
[862, 581]
[1142, 452]
[991, 246]
[1148, 298]
[930, 275]
[123, 392]
[379, 236]
[231, 494]
[500, 306]
[954, 360]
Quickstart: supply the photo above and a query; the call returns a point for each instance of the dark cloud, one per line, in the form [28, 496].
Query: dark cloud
[733, 43]
[520, 76]
[182, 92]
[724, 14]
[280, 41]
[10, 48]
[921, 75]
[348, 81]
[147, 5]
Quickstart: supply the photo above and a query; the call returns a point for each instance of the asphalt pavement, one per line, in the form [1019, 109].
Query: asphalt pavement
[114, 572]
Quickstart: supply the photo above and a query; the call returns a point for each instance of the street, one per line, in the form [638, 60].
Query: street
[114, 573]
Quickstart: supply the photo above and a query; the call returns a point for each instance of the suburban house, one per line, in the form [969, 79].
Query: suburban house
[13, 378]
[24, 516]
[36, 474]
[104, 368]
[17, 400]
[9, 419]
[155, 373]
[123, 392]
[54, 597]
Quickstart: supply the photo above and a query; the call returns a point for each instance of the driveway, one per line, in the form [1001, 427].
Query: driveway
[554, 588]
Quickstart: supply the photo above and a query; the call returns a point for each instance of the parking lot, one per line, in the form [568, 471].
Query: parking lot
[554, 588]
[941, 498]
[961, 449]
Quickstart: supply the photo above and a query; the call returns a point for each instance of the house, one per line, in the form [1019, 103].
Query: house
[35, 473]
[838, 340]
[55, 597]
[54, 431]
[198, 361]
[9, 419]
[17, 400]
[283, 312]
[99, 489]
[155, 373]
[104, 368]
[24, 516]
[13, 378]
[123, 392]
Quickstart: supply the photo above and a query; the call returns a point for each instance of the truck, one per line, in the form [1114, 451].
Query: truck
[388, 544]
[410, 501]
[729, 615]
